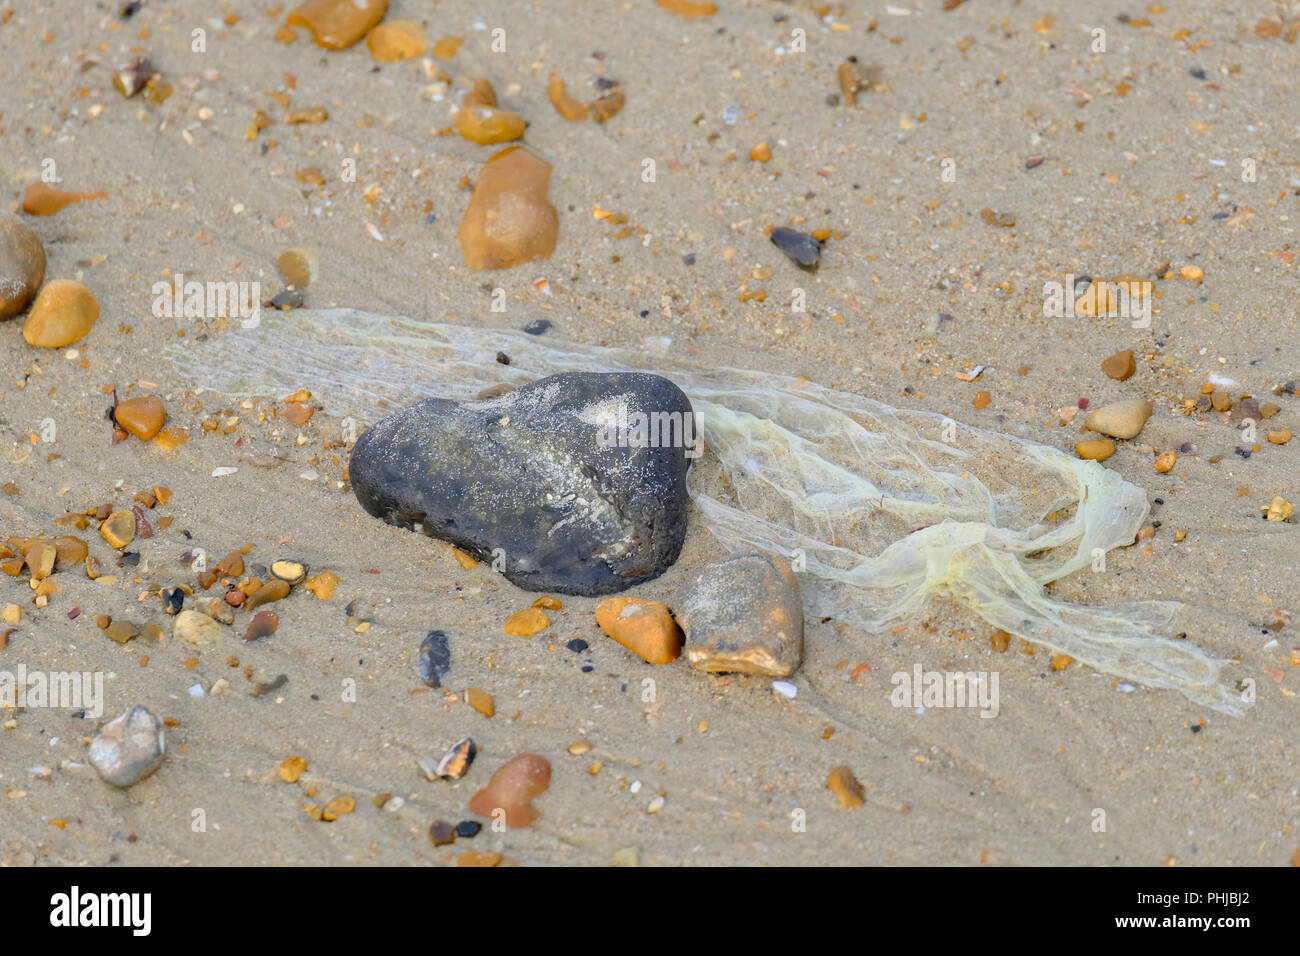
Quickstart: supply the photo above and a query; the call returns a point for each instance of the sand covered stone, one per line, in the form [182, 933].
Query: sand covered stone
[646, 628]
[575, 482]
[743, 615]
[1122, 419]
[22, 265]
[512, 789]
[509, 220]
[63, 313]
[337, 24]
[128, 748]
[196, 628]
[142, 416]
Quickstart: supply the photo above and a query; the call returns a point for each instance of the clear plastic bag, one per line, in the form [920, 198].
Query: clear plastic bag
[877, 512]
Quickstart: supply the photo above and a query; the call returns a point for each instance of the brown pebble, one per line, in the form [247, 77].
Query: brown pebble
[396, 40]
[572, 110]
[299, 267]
[63, 313]
[1120, 366]
[1000, 640]
[22, 265]
[509, 220]
[845, 786]
[274, 590]
[481, 701]
[1166, 460]
[121, 631]
[487, 125]
[689, 9]
[1096, 449]
[142, 416]
[263, 624]
[442, 833]
[472, 858]
[310, 115]
[118, 529]
[608, 106]
[1221, 400]
[512, 789]
[43, 200]
[528, 622]
[337, 24]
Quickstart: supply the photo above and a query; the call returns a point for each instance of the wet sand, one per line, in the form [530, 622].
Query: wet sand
[1129, 181]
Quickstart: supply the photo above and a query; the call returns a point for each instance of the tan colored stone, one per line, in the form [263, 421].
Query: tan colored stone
[196, 628]
[1122, 419]
[743, 615]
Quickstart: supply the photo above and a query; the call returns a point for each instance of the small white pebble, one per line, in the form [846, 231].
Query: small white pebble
[656, 805]
[196, 690]
[223, 471]
[785, 688]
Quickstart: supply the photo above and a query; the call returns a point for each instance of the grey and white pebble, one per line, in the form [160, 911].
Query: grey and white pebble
[128, 748]
[802, 249]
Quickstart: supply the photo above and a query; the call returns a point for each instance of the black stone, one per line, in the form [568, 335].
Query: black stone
[173, 600]
[435, 658]
[803, 250]
[577, 645]
[503, 359]
[542, 478]
[537, 326]
[468, 828]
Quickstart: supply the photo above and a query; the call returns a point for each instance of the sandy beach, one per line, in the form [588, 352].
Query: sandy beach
[993, 150]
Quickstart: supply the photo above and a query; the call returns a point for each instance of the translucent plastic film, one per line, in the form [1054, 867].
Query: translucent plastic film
[879, 509]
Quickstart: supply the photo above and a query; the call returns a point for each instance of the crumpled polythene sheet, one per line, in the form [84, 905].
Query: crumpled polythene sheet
[877, 510]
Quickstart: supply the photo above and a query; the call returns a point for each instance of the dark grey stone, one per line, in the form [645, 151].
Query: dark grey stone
[575, 483]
